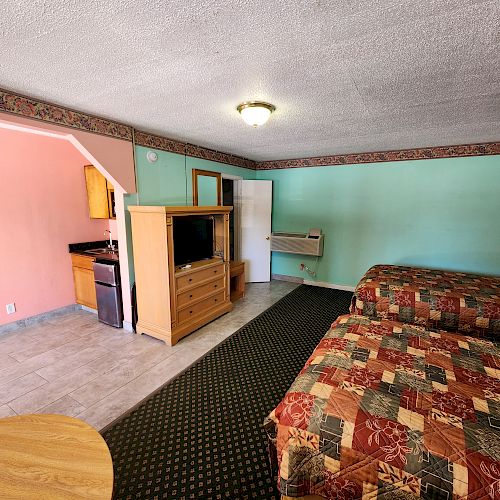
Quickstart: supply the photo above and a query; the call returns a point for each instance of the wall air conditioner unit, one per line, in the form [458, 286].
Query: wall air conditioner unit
[298, 243]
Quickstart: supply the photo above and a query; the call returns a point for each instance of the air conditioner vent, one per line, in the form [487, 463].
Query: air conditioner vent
[298, 243]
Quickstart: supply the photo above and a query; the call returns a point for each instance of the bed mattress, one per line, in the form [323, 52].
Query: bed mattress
[384, 409]
[450, 301]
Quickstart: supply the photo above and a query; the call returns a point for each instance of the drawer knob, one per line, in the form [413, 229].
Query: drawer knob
[215, 271]
[190, 279]
[190, 296]
[190, 312]
[215, 286]
[215, 300]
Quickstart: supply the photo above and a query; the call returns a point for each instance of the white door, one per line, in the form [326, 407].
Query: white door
[256, 208]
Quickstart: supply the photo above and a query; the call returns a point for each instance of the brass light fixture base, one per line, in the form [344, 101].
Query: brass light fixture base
[255, 113]
[256, 104]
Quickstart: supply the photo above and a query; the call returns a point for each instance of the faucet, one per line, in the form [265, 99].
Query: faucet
[110, 244]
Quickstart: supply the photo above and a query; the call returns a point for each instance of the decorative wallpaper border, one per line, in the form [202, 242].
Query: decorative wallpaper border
[210, 154]
[31, 108]
[173, 146]
[491, 148]
[159, 142]
[59, 115]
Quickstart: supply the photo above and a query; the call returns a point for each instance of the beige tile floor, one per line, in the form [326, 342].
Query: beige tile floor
[77, 366]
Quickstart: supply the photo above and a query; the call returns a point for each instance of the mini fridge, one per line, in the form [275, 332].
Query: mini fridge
[108, 292]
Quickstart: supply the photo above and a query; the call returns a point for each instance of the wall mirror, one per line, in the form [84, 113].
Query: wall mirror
[207, 188]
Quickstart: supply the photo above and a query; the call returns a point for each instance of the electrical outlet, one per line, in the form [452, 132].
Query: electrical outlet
[308, 270]
[11, 308]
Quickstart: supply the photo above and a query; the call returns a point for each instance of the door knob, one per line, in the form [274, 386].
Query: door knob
[267, 237]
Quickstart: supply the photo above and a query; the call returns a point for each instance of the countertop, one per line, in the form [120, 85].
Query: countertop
[86, 248]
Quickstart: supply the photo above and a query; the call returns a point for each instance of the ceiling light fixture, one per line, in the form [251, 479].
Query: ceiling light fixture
[255, 113]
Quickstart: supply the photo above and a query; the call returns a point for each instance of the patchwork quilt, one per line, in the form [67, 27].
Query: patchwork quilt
[435, 299]
[386, 410]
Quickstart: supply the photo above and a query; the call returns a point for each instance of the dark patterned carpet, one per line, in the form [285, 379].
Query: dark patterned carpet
[200, 436]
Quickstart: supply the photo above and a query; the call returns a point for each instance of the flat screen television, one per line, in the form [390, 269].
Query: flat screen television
[193, 239]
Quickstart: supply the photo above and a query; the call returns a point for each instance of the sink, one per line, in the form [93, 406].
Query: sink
[98, 251]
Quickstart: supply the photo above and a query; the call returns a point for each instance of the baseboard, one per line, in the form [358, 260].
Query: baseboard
[88, 309]
[127, 326]
[37, 318]
[284, 277]
[323, 284]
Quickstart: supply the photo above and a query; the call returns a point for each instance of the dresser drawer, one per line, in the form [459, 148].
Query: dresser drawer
[195, 277]
[200, 307]
[82, 261]
[195, 293]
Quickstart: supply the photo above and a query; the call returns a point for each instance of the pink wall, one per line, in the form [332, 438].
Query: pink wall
[115, 155]
[43, 207]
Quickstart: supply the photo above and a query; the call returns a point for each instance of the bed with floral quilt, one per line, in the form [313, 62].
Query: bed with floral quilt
[451, 301]
[386, 410]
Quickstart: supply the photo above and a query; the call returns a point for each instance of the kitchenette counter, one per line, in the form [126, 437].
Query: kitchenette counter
[96, 276]
[96, 249]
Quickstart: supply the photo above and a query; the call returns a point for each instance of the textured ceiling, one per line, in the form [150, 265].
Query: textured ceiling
[346, 76]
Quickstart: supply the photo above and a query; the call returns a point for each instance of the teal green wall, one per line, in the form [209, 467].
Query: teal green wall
[169, 180]
[162, 182]
[442, 213]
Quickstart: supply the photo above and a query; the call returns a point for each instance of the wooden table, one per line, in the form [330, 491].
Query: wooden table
[237, 277]
[53, 456]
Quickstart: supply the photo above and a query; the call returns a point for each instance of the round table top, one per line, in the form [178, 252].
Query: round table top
[53, 456]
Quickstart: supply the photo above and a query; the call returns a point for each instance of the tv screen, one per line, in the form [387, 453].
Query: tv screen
[193, 239]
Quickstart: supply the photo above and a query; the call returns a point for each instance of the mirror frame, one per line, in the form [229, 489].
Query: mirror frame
[207, 173]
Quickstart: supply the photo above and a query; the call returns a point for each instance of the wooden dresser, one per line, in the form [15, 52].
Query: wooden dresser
[174, 301]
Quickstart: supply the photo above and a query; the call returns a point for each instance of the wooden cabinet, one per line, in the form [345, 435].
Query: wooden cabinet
[185, 278]
[199, 291]
[173, 302]
[83, 277]
[100, 194]
[237, 277]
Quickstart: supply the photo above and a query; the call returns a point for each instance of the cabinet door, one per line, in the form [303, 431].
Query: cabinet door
[85, 287]
[111, 201]
[97, 193]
